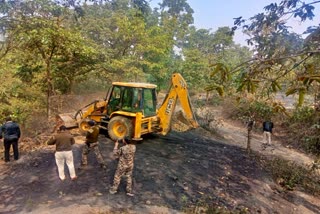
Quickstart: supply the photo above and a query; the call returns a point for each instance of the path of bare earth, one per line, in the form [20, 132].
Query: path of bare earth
[236, 133]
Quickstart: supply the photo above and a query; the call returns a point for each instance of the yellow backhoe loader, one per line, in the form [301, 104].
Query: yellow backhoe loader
[130, 109]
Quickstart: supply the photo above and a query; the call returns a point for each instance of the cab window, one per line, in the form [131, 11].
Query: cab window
[149, 100]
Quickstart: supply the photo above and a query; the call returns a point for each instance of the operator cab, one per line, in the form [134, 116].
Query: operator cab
[132, 97]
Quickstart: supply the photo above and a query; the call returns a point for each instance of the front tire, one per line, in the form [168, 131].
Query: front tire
[120, 127]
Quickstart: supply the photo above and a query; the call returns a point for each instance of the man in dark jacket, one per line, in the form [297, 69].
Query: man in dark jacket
[267, 131]
[63, 141]
[92, 143]
[11, 133]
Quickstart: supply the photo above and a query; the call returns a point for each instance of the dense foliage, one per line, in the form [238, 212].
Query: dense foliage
[284, 63]
[54, 47]
[50, 47]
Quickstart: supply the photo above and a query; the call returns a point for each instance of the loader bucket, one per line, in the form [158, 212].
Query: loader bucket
[69, 120]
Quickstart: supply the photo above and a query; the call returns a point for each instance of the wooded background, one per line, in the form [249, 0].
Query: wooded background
[57, 47]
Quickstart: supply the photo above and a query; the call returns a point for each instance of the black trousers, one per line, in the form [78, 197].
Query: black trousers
[7, 145]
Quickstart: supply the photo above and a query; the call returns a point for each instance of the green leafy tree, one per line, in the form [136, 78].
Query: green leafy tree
[132, 46]
[176, 17]
[49, 55]
[282, 58]
[284, 62]
[205, 53]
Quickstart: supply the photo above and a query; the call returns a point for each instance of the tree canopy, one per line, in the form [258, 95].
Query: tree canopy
[51, 46]
[282, 60]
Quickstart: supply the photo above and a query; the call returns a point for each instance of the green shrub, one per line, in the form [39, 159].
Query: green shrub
[304, 127]
[312, 144]
[260, 109]
[290, 175]
[303, 114]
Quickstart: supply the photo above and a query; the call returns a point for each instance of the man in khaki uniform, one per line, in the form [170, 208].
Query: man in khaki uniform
[92, 143]
[125, 165]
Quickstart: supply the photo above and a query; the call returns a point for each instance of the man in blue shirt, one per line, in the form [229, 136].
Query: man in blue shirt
[267, 131]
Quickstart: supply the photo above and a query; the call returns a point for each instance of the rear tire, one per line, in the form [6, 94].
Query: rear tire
[120, 127]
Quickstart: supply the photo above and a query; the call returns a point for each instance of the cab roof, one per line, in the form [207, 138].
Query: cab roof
[134, 84]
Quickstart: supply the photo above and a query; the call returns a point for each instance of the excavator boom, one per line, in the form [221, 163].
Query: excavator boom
[178, 90]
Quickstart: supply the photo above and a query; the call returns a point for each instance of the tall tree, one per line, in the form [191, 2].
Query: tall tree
[203, 50]
[176, 17]
[46, 50]
[132, 46]
[279, 54]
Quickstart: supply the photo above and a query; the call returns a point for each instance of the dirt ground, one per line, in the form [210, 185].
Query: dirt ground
[177, 173]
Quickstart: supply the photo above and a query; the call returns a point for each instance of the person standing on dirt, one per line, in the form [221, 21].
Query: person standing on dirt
[125, 165]
[10, 132]
[92, 143]
[63, 141]
[267, 131]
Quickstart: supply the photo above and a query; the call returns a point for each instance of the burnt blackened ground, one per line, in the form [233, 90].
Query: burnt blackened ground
[179, 173]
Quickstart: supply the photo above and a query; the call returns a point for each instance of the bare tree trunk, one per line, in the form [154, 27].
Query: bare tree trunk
[48, 103]
[249, 141]
[250, 124]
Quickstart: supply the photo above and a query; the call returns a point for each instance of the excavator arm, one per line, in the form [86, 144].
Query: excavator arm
[93, 111]
[178, 90]
[97, 107]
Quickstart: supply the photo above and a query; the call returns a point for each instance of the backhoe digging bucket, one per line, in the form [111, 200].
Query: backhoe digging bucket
[68, 119]
[180, 123]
